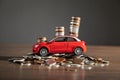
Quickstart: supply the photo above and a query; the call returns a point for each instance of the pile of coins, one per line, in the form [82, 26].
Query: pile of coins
[69, 62]
[41, 39]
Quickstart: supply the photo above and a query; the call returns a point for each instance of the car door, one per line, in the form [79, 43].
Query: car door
[59, 45]
[72, 43]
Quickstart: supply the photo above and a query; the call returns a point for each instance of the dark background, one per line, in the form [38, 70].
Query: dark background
[22, 21]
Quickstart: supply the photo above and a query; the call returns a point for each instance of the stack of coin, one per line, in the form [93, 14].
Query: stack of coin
[42, 39]
[74, 26]
[59, 31]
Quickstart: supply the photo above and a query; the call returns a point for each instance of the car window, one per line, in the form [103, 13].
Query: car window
[69, 39]
[60, 39]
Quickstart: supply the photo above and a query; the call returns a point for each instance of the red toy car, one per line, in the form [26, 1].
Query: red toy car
[61, 44]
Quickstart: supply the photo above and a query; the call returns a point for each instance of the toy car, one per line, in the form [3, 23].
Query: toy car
[60, 44]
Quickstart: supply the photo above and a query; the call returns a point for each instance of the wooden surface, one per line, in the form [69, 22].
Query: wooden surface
[35, 72]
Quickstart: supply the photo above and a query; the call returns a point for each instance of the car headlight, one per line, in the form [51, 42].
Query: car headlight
[83, 42]
[36, 46]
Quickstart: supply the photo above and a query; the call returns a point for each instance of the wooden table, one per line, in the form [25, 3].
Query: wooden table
[35, 72]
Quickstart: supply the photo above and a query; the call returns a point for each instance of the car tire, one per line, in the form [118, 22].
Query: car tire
[43, 52]
[78, 51]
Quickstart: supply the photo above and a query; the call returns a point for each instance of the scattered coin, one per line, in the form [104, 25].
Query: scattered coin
[70, 62]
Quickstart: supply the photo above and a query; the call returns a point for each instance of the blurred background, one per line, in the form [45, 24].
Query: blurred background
[22, 21]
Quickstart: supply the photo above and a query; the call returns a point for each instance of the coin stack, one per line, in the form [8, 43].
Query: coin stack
[74, 26]
[59, 31]
[42, 39]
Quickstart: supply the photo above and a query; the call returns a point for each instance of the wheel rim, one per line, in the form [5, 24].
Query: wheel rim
[43, 52]
[78, 51]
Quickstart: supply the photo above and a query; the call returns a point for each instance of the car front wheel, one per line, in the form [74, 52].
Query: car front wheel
[43, 52]
[78, 51]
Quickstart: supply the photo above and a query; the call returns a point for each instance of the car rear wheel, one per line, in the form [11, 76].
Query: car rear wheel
[43, 52]
[78, 51]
